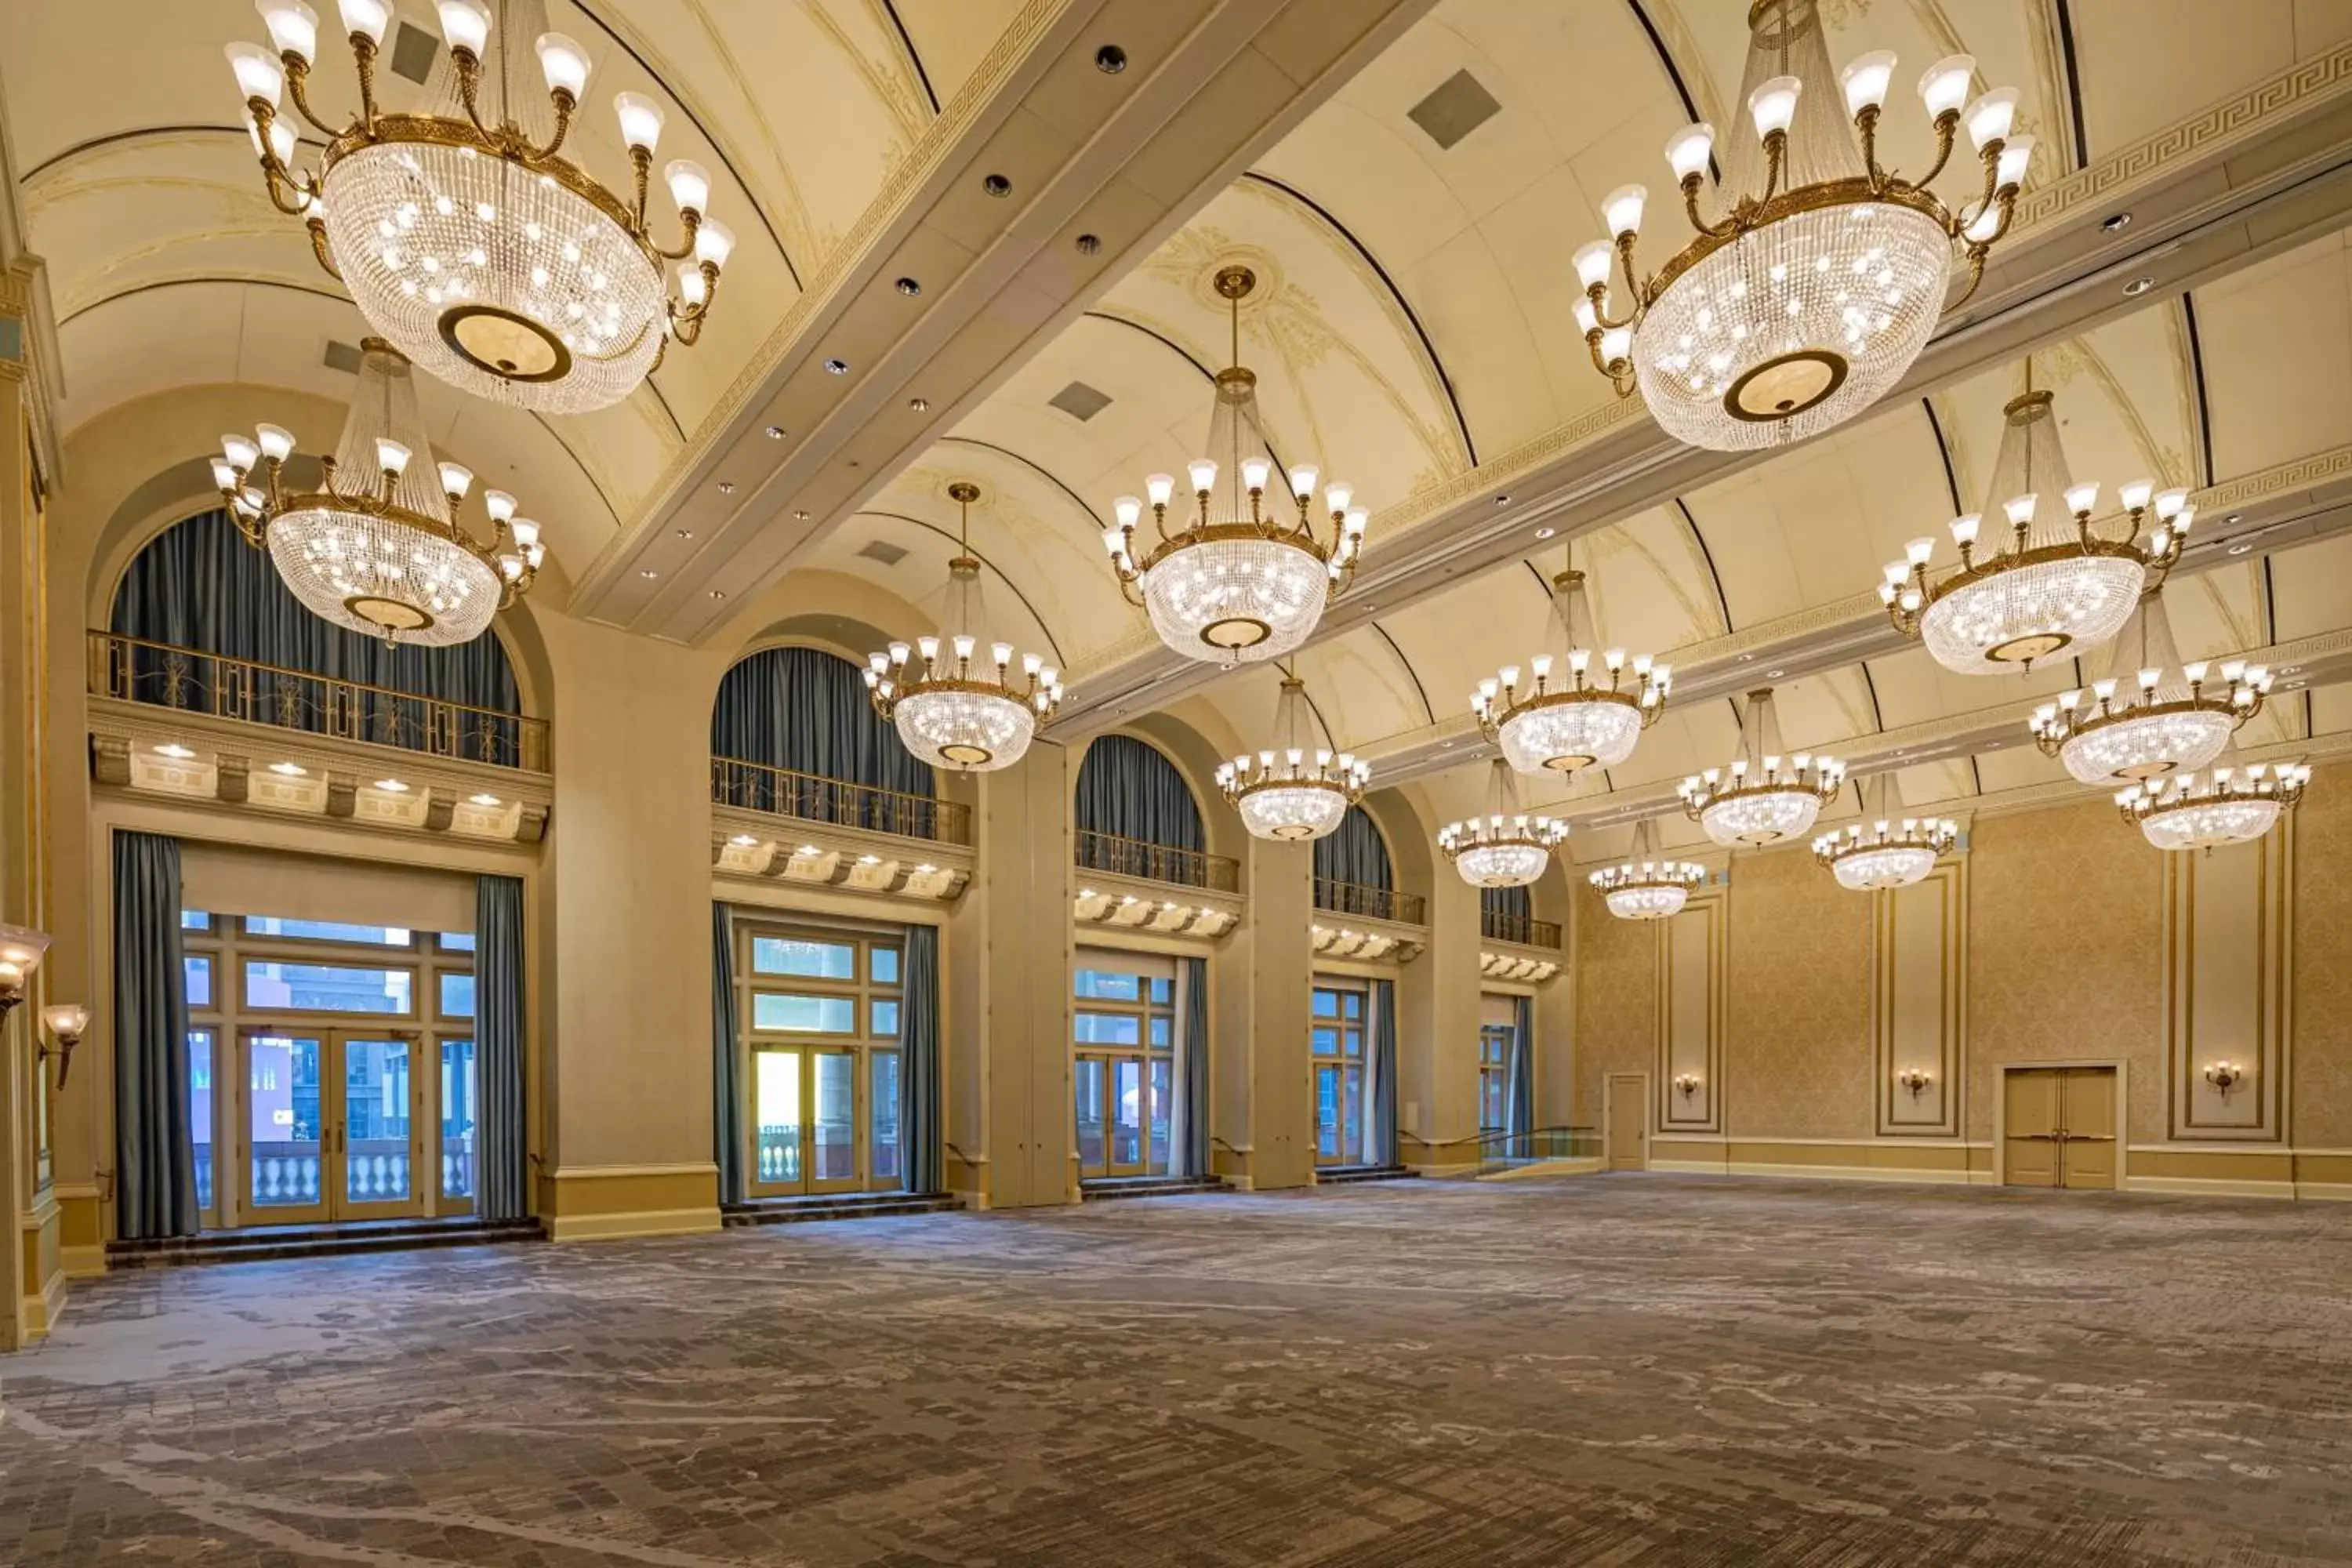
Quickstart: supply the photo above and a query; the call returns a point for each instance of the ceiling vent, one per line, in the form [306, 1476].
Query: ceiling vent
[342, 357]
[1459, 106]
[889, 554]
[412, 49]
[1079, 401]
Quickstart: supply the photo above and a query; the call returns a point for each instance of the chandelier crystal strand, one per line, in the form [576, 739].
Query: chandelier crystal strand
[1765, 795]
[377, 548]
[2151, 714]
[465, 235]
[1506, 847]
[952, 712]
[1235, 584]
[2228, 804]
[1883, 850]
[1291, 791]
[1647, 886]
[1807, 299]
[2053, 578]
[1562, 723]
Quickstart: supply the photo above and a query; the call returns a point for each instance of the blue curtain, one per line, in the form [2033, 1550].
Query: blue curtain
[1519, 1079]
[1509, 905]
[1353, 857]
[727, 1105]
[1380, 1107]
[920, 1134]
[805, 710]
[1192, 1093]
[154, 1151]
[498, 1047]
[1129, 788]
[199, 585]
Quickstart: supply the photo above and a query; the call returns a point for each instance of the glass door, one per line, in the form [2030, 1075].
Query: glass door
[329, 1125]
[282, 1142]
[776, 1123]
[375, 1128]
[1127, 1113]
[1093, 1152]
[833, 1148]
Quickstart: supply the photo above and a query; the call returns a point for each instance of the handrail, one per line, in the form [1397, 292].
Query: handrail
[811, 797]
[1124, 856]
[1496, 925]
[1372, 903]
[1499, 1150]
[250, 692]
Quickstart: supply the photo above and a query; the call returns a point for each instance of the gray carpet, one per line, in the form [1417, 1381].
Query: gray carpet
[1428, 1375]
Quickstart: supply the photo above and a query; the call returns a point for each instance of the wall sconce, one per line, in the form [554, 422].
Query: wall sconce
[1915, 1080]
[2224, 1076]
[21, 948]
[1687, 1082]
[66, 1020]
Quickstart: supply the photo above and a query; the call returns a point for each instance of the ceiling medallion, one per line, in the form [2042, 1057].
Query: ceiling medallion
[1764, 796]
[1645, 888]
[377, 548]
[1808, 300]
[2059, 580]
[1883, 851]
[951, 713]
[1236, 585]
[501, 267]
[2151, 714]
[2226, 805]
[1506, 847]
[1564, 726]
[1290, 792]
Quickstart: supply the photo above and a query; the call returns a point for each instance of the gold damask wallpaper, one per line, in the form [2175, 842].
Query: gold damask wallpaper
[2320, 1114]
[1798, 1053]
[1616, 1001]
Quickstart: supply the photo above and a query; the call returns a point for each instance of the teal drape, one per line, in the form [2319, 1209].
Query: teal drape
[498, 1046]
[920, 1135]
[805, 710]
[1353, 856]
[1380, 1101]
[1520, 1078]
[154, 1150]
[199, 585]
[1129, 788]
[1510, 905]
[1191, 1135]
[726, 1102]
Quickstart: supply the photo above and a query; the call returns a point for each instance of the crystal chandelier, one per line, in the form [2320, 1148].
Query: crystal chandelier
[1647, 888]
[1236, 585]
[1888, 852]
[1765, 795]
[1290, 791]
[2226, 805]
[496, 264]
[377, 548]
[2167, 722]
[1578, 722]
[1506, 847]
[2059, 580]
[1808, 300]
[951, 714]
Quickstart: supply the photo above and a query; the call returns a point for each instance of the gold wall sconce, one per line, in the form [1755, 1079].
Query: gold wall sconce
[1687, 1083]
[21, 952]
[66, 1020]
[2224, 1076]
[1915, 1080]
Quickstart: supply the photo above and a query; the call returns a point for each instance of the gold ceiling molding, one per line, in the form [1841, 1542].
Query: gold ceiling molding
[2232, 122]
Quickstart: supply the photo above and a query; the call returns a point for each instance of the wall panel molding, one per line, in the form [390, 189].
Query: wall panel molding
[2228, 982]
[1692, 991]
[1919, 1004]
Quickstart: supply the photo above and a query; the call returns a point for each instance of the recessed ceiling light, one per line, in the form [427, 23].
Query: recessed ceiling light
[289, 770]
[2115, 223]
[836, 367]
[717, 592]
[1088, 244]
[996, 185]
[1545, 533]
[920, 405]
[727, 487]
[1747, 658]
[648, 573]
[484, 800]
[2290, 669]
[1111, 59]
[1502, 500]
[392, 787]
[1900, 754]
[1774, 674]
[2139, 286]
[2242, 550]
[800, 514]
[2294, 685]
[910, 287]
[743, 840]
[869, 860]
[686, 533]
[173, 750]
[805, 849]
[775, 432]
[925, 870]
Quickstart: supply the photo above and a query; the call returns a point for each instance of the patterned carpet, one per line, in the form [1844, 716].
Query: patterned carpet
[1620, 1370]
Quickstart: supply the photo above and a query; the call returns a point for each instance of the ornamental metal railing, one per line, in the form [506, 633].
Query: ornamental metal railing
[1496, 925]
[1157, 862]
[1372, 903]
[248, 691]
[1500, 1150]
[786, 792]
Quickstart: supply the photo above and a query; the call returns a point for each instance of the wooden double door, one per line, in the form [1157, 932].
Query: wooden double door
[2058, 1127]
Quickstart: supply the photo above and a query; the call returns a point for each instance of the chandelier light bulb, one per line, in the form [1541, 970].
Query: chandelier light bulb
[1595, 258]
[293, 27]
[1687, 151]
[241, 451]
[366, 19]
[1160, 488]
[714, 242]
[1865, 80]
[465, 24]
[1774, 105]
[456, 480]
[563, 63]
[1989, 116]
[1202, 472]
[690, 186]
[277, 442]
[258, 74]
[1302, 482]
[1945, 86]
[390, 456]
[641, 121]
[1621, 210]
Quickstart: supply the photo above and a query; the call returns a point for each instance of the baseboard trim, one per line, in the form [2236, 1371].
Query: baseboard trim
[82, 1262]
[1950, 1178]
[2324, 1192]
[1443, 1171]
[39, 1313]
[648, 1222]
[2210, 1187]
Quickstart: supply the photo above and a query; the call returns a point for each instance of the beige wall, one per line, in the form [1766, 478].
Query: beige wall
[1797, 1062]
[1616, 987]
[2321, 1082]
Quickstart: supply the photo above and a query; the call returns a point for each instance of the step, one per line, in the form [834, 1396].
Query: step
[1342, 1176]
[1101, 1188]
[835, 1205]
[263, 1243]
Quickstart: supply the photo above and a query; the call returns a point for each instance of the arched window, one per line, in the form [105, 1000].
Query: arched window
[198, 589]
[1356, 853]
[1128, 789]
[804, 711]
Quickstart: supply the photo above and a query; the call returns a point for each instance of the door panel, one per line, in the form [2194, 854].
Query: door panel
[776, 1167]
[2087, 1104]
[328, 1128]
[374, 1130]
[1628, 1111]
[832, 1123]
[1093, 1145]
[282, 1130]
[2030, 1121]
[1126, 1116]
[1328, 1148]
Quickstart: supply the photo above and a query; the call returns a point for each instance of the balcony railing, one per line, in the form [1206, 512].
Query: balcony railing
[756, 786]
[1372, 903]
[1524, 929]
[134, 669]
[1157, 862]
